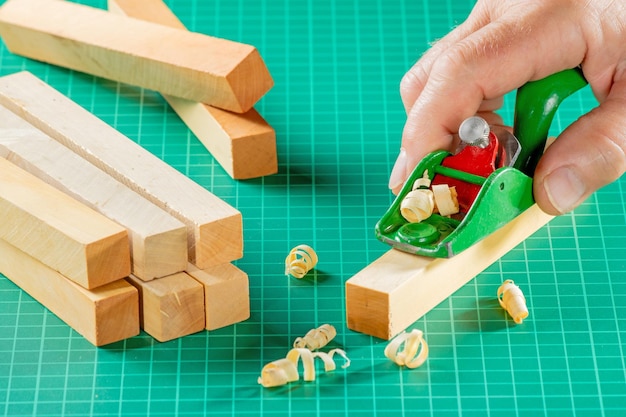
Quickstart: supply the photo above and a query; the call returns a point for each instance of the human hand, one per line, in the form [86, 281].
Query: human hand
[504, 44]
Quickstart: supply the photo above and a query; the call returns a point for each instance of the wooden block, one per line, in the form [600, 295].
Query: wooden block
[104, 315]
[158, 242]
[398, 288]
[226, 292]
[62, 233]
[155, 11]
[214, 228]
[243, 144]
[170, 307]
[194, 66]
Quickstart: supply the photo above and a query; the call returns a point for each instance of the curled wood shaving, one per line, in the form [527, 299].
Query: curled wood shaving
[423, 182]
[283, 371]
[512, 299]
[329, 362]
[446, 202]
[278, 373]
[417, 205]
[408, 349]
[300, 261]
[316, 338]
[420, 203]
[307, 362]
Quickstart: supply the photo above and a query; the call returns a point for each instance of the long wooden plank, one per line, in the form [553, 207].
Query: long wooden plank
[184, 64]
[170, 307]
[398, 288]
[226, 292]
[104, 315]
[158, 241]
[244, 144]
[64, 234]
[214, 228]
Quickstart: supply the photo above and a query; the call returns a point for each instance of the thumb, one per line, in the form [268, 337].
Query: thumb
[589, 154]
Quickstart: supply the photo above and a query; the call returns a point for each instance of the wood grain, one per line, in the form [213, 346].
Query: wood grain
[158, 241]
[197, 67]
[243, 144]
[214, 228]
[104, 315]
[57, 230]
[226, 292]
[398, 288]
[170, 307]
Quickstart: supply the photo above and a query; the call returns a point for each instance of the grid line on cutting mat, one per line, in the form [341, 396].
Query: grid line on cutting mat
[338, 119]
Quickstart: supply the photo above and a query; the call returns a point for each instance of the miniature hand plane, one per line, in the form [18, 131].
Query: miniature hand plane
[490, 175]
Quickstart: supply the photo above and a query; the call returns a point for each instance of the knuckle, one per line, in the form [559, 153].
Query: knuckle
[414, 80]
[451, 64]
[611, 160]
[607, 153]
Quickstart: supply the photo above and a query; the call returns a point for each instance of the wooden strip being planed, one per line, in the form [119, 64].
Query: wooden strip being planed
[398, 288]
[197, 67]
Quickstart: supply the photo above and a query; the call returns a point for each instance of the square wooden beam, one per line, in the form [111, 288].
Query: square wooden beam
[170, 307]
[104, 315]
[214, 228]
[398, 288]
[57, 230]
[226, 292]
[158, 241]
[177, 62]
[244, 144]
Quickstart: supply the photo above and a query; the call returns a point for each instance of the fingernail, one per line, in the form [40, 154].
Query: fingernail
[398, 173]
[564, 188]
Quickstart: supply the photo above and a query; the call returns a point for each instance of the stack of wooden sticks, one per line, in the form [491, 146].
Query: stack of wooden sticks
[97, 229]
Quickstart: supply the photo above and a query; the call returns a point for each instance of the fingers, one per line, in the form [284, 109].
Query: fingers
[491, 105]
[588, 155]
[605, 40]
[415, 79]
[493, 119]
[483, 66]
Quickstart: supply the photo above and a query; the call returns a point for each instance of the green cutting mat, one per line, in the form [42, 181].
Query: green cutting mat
[338, 118]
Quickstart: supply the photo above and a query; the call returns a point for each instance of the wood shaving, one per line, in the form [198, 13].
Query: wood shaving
[300, 261]
[446, 202]
[408, 349]
[316, 338]
[284, 371]
[421, 202]
[512, 299]
[423, 182]
[418, 205]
